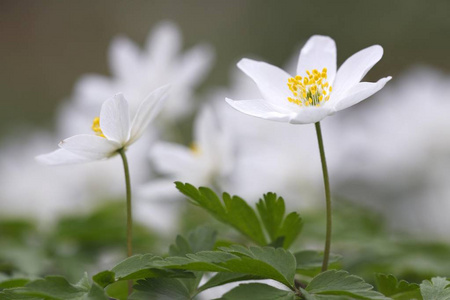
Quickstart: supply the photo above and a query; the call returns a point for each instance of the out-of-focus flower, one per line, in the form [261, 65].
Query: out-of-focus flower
[113, 131]
[317, 90]
[208, 161]
[136, 72]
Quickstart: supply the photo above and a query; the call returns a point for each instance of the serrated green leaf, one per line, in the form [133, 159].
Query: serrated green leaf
[271, 210]
[309, 262]
[397, 290]
[233, 211]
[291, 228]
[436, 289]
[257, 291]
[341, 283]
[56, 288]
[104, 278]
[13, 283]
[144, 266]
[161, 289]
[274, 263]
[224, 278]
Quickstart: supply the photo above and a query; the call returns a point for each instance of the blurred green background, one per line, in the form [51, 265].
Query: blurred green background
[45, 46]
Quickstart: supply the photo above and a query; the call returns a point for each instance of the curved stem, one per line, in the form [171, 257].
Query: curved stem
[129, 212]
[326, 182]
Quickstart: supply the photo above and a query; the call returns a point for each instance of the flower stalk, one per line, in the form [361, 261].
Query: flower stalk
[129, 212]
[326, 182]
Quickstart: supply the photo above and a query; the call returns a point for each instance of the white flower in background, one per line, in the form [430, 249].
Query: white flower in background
[400, 148]
[317, 90]
[209, 159]
[112, 128]
[207, 162]
[33, 191]
[136, 72]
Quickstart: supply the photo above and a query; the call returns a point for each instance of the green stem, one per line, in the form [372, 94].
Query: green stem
[129, 212]
[326, 182]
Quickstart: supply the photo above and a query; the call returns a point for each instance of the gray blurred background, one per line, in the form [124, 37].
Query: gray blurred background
[45, 46]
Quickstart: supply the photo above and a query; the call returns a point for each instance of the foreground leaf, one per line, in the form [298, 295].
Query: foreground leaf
[309, 262]
[341, 283]
[161, 289]
[55, 288]
[257, 291]
[233, 210]
[397, 290]
[271, 210]
[437, 288]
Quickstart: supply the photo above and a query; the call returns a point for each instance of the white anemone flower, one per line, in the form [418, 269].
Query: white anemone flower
[113, 131]
[317, 90]
[136, 72]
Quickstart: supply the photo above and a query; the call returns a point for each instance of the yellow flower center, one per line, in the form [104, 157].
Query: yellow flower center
[194, 148]
[96, 127]
[310, 90]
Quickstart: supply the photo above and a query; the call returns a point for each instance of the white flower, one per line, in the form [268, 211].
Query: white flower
[207, 161]
[113, 131]
[136, 72]
[317, 90]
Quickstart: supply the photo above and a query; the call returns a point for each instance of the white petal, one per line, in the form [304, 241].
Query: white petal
[147, 110]
[261, 109]
[115, 119]
[61, 157]
[206, 127]
[164, 43]
[173, 159]
[319, 52]
[355, 68]
[124, 57]
[194, 65]
[89, 146]
[92, 90]
[360, 92]
[271, 80]
[308, 115]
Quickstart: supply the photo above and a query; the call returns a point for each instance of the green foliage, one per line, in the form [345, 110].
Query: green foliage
[272, 212]
[436, 289]
[233, 210]
[282, 230]
[309, 262]
[258, 291]
[342, 284]
[397, 290]
[161, 289]
[56, 288]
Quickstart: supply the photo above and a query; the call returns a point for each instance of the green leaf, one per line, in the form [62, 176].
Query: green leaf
[144, 266]
[436, 289]
[161, 289]
[200, 239]
[56, 288]
[224, 278]
[309, 262]
[271, 210]
[267, 262]
[104, 278]
[397, 290]
[341, 283]
[13, 283]
[263, 262]
[257, 291]
[233, 211]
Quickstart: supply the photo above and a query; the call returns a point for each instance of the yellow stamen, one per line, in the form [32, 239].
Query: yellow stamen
[96, 127]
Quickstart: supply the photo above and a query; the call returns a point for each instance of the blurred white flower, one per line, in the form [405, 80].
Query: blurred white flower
[113, 131]
[136, 72]
[317, 90]
[208, 161]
